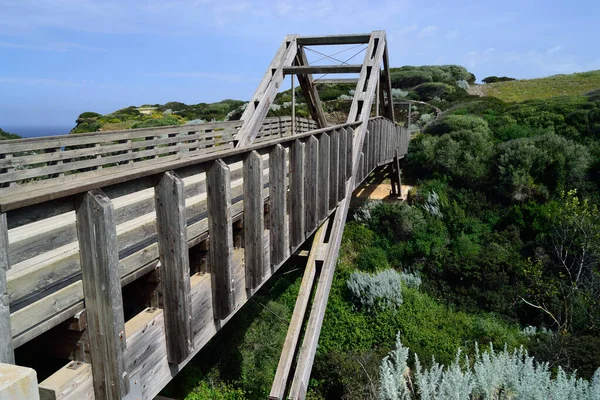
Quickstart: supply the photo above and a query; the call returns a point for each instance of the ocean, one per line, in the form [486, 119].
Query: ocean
[28, 131]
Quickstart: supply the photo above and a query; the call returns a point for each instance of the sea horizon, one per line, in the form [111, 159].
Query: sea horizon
[30, 131]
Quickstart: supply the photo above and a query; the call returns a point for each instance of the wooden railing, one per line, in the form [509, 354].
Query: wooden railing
[35, 159]
[147, 217]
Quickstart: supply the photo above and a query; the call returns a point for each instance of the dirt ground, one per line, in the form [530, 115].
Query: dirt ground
[377, 187]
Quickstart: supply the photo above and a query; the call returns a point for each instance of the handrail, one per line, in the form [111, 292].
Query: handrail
[18, 199]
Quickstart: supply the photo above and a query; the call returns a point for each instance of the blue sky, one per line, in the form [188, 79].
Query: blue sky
[59, 58]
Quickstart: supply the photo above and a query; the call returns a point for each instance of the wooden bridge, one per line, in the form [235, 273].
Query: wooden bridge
[122, 253]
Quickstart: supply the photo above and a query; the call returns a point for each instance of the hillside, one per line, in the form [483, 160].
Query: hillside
[543, 88]
[5, 135]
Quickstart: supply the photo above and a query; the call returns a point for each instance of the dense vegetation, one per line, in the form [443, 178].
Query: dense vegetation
[5, 135]
[498, 244]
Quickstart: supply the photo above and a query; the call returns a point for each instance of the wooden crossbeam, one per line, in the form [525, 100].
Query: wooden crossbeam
[334, 39]
[309, 90]
[335, 81]
[323, 69]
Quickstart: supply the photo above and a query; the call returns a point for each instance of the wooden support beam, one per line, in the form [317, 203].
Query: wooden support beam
[323, 176]
[311, 162]
[309, 89]
[259, 106]
[336, 81]
[349, 148]
[97, 235]
[293, 333]
[297, 231]
[169, 199]
[254, 220]
[218, 187]
[342, 165]
[277, 195]
[333, 168]
[7, 354]
[323, 69]
[333, 39]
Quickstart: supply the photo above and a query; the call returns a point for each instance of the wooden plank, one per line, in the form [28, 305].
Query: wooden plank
[297, 211]
[102, 290]
[311, 162]
[323, 178]
[294, 330]
[342, 165]
[7, 355]
[71, 382]
[254, 224]
[334, 174]
[334, 39]
[259, 106]
[336, 81]
[175, 265]
[349, 139]
[323, 69]
[221, 238]
[277, 197]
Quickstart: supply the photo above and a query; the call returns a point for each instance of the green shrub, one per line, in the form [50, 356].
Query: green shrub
[428, 91]
[154, 122]
[88, 114]
[372, 259]
[452, 123]
[396, 222]
[5, 135]
[221, 391]
[494, 79]
[409, 79]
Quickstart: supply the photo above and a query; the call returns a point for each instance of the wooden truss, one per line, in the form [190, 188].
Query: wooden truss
[373, 83]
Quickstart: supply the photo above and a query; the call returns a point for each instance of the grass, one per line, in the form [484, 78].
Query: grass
[542, 88]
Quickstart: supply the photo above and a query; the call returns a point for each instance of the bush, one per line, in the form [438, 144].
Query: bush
[5, 135]
[221, 391]
[396, 222]
[371, 292]
[452, 123]
[372, 259]
[493, 375]
[409, 79]
[154, 122]
[429, 91]
[494, 79]
[88, 114]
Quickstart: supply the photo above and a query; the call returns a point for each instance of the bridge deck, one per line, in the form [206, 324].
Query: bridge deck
[44, 281]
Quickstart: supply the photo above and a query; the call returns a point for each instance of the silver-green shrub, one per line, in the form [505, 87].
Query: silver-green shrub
[490, 375]
[378, 291]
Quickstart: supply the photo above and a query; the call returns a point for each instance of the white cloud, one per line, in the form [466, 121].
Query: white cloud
[428, 31]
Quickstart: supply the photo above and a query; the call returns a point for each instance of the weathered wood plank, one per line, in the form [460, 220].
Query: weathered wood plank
[323, 69]
[324, 166]
[334, 174]
[277, 195]
[310, 184]
[293, 333]
[221, 238]
[254, 224]
[7, 354]
[349, 149]
[102, 289]
[175, 265]
[334, 39]
[342, 165]
[297, 231]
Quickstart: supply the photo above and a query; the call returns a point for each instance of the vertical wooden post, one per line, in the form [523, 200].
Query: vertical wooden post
[310, 184]
[254, 220]
[342, 166]
[97, 235]
[323, 176]
[220, 230]
[333, 171]
[361, 169]
[293, 106]
[297, 194]
[277, 194]
[169, 199]
[7, 354]
[349, 149]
